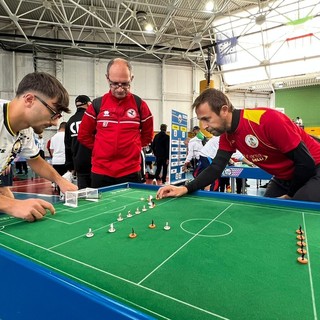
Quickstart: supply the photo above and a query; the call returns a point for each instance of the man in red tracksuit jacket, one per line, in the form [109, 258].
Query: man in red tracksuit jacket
[118, 132]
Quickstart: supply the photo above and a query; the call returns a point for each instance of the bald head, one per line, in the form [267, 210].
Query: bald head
[119, 63]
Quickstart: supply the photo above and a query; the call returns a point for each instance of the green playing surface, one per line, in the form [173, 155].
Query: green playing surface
[219, 260]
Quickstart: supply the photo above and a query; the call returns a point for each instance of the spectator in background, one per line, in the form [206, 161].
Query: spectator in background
[186, 168]
[207, 154]
[197, 132]
[149, 165]
[299, 122]
[58, 150]
[160, 147]
[117, 133]
[193, 156]
[40, 144]
[236, 158]
[21, 164]
[78, 157]
[48, 148]
[6, 180]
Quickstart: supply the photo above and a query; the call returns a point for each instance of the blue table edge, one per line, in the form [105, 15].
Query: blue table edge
[230, 197]
[76, 290]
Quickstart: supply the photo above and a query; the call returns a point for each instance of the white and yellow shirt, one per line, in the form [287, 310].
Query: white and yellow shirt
[11, 143]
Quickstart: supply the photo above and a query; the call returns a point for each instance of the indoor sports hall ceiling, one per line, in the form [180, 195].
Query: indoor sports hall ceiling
[221, 37]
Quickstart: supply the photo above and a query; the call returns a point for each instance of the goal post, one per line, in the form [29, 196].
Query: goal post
[72, 197]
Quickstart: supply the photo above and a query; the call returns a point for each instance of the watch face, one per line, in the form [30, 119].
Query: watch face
[227, 172]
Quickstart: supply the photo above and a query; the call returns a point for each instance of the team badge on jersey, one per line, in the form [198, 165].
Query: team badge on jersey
[16, 148]
[251, 141]
[131, 113]
[106, 113]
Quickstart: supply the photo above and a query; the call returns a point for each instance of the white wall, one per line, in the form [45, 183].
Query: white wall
[249, 100]
[163, 87]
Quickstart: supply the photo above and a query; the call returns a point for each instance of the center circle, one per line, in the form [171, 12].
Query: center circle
[212, 230]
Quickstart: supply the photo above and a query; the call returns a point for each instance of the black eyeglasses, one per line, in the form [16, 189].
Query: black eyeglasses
[55, 115]
[116, 85]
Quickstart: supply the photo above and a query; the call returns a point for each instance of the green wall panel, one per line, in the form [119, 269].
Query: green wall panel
[301, 102]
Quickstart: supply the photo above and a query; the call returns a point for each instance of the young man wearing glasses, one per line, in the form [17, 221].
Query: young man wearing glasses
[118, 132]
[40, 100]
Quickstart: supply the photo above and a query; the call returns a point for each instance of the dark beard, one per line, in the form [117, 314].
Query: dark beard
[216, 132]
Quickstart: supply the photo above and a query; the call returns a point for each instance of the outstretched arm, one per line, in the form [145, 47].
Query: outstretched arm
[205, 178]
[304, 168]
[45, 170]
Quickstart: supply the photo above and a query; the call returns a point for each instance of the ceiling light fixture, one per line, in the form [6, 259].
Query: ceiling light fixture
[142, 20]
[209, 6]
[148, 27]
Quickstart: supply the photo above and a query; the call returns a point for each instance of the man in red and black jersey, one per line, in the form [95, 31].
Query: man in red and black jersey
[267, 138]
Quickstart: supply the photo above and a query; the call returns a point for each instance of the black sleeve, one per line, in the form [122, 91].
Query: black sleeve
[167, 147]
[153, 145]
[304, 167]
[210, 174]
[68, 151]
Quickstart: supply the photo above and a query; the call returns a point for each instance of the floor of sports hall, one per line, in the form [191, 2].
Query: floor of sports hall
[30, 184]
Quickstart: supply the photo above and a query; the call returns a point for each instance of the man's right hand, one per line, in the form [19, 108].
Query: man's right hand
[186, 166]
[30, 209]
[171, 191]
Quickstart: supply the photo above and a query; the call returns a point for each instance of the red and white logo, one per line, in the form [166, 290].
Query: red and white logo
[251, 141]
[131, 113]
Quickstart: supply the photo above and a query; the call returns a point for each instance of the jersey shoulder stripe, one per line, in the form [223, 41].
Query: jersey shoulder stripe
[253, 115]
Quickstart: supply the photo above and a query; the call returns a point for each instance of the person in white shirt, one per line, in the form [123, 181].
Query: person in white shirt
[40, 99]
[299, 122]
[193, 156]
[57, 149]
[206, 154]
[6, 178]
[40, 143]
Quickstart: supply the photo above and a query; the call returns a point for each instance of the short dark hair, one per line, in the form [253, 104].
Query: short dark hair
[47, 85]
[163, 127]
[215, 99]
[62, 125]
[81, 100]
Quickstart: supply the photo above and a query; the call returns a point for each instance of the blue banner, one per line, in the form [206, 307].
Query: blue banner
[178, 150]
